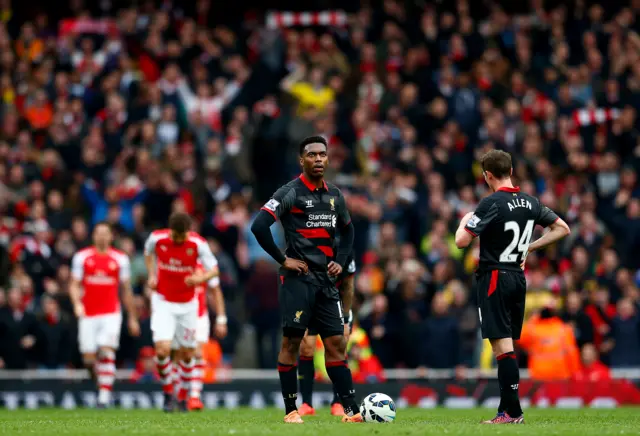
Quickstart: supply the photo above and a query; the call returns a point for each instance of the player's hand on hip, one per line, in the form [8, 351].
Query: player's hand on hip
[134, 327]
[78, 310]
[152, 282]
[524, 261]
[295, 265]
[334, 269]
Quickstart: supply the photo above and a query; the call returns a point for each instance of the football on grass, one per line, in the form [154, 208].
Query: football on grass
[378, 408]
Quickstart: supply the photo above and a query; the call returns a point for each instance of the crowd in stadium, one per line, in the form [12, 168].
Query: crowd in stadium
[125, 115]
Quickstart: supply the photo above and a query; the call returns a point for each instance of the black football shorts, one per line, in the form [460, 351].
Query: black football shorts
[307, 305]
[348, 271]
[501, 297]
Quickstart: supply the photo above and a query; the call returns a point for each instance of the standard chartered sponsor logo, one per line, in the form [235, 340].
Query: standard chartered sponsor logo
[321, 220]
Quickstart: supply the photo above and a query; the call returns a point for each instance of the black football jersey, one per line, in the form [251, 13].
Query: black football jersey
[504, 221]
[311, 218]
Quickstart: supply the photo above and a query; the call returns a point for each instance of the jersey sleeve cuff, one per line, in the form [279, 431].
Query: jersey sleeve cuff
[271, 212]
[470, 232]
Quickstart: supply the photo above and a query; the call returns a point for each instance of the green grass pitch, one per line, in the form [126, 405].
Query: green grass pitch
[540, 422]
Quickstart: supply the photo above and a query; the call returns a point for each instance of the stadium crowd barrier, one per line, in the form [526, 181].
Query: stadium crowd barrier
[70, 389]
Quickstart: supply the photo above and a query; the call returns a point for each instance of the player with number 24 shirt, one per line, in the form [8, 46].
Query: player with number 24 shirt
[504, 221]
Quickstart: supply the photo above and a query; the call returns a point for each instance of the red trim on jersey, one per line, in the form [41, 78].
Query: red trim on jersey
[328, 251]
[271, 212]
[347, 224]
[296, 210]
[282, 280]
[556, 220]
[310, 186]
[493, 284]
[470, 232]
[507, 189]
[313, 233]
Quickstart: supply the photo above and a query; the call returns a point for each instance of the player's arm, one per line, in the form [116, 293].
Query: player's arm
[281, 202]
[558, 229]
[75, 287]
[209, 263]
[347, 291]
[473, 224]
[127, 296]
[150, 261]
[347, 232]
[217, 297]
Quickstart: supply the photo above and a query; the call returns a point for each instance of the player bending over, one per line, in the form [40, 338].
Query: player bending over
[504, 221]
[190, 385]
[311, 211]
[96, 273]
[172, 256]
[345, 285]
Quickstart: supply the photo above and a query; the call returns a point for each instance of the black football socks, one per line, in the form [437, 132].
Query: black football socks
[306, 373]
[509, 380]
[289, 385]
[340, 376]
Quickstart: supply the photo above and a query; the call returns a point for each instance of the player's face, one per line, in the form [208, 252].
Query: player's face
[314, 160]
[102, 236]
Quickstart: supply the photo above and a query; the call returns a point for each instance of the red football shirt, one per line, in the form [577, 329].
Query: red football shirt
[175, 262]
[100, 275]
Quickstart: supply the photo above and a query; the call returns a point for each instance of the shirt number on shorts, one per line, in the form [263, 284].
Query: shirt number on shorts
[189, 335]
[521, 242]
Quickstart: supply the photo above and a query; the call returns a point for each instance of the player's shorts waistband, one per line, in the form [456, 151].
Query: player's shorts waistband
[487, 269]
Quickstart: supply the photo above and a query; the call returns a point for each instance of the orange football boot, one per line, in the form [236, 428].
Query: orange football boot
[195, 403]
[306, 410]
[337, 409]
[355, 418]
[293, 418]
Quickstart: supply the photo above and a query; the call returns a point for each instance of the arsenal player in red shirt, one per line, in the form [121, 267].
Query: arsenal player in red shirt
[171, 256]
[98, 272]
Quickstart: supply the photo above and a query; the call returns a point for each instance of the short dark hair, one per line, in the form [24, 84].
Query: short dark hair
[498, 163]
[312, 140]
[107, 224]
[180, 222]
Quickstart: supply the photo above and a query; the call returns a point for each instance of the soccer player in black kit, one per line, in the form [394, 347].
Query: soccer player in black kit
[504, 221]
[311, 211]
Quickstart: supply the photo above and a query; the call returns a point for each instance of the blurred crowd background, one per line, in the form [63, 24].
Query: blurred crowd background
[125, 114]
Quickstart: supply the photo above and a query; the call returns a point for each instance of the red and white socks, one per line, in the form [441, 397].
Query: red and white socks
[165, 371]
[106, 374]
[186, 370]
[196, 379]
